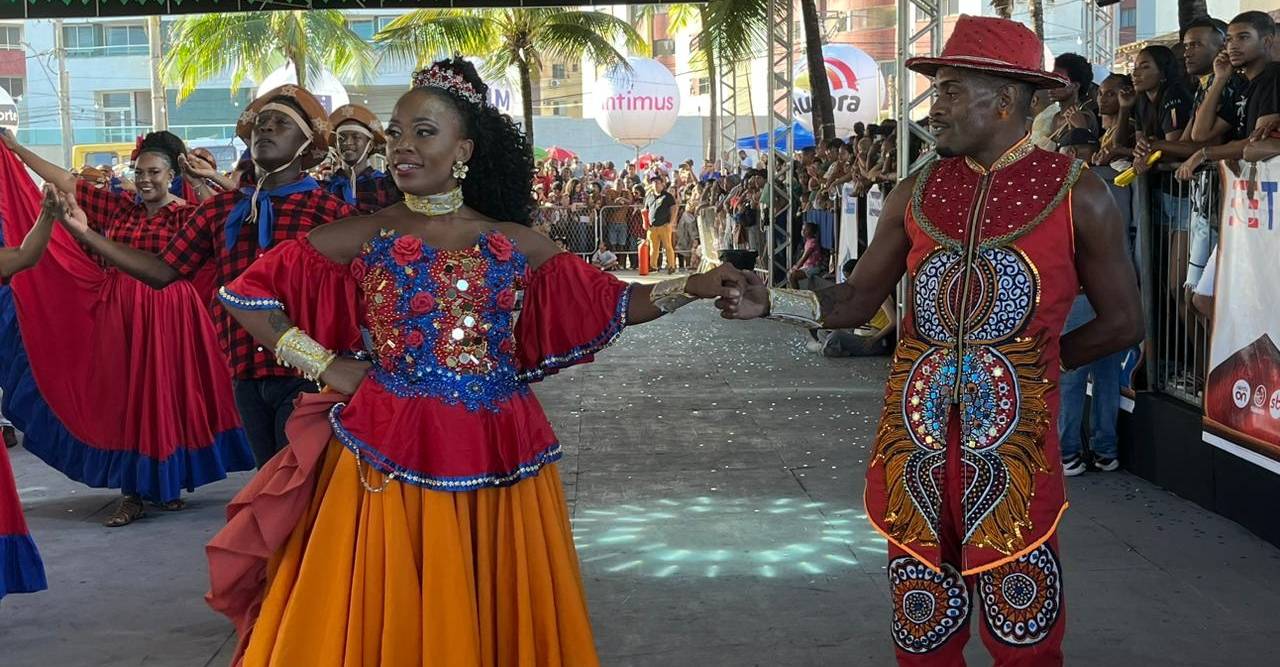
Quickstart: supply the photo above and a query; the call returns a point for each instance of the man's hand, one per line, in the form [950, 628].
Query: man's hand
[1078, 119]
[194, 167]
[73, 217]
[753, 303]
[1265, 127]
[344, 375]
[1188, 169]
[10, 141]
[1128, 99]
[1222, 68]
[725, 282]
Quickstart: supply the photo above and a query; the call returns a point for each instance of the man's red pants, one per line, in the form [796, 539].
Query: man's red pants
[1019, 605]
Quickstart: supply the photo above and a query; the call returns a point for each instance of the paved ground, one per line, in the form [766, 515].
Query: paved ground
[715, 473]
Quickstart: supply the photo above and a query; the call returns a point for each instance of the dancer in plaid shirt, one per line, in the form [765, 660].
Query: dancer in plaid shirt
[287, 131]
[178, 426]
[357, 135]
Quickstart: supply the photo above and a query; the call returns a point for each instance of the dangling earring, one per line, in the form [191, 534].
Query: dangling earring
[460, 170]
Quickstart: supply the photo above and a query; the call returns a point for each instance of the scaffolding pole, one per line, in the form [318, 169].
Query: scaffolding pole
[1101, 34]
[728, 116]
[781, 48]
[919, 33]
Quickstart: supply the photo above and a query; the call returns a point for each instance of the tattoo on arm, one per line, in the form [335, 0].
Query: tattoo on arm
[279, 322]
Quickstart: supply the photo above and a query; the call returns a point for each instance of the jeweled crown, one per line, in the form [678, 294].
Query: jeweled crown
[438, 77]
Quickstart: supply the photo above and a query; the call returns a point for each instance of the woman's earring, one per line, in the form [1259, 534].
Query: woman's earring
[459, 170]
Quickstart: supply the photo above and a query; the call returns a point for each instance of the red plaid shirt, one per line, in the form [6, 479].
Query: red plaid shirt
[120, 218]
[203, 239]
[373, 193]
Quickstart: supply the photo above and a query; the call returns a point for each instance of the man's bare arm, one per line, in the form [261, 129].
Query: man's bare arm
[1107, 275]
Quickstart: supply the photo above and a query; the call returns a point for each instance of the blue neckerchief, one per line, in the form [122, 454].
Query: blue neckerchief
[266, 215]
[340, 184]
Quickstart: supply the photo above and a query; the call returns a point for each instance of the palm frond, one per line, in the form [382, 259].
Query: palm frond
[737, 28]
[425, 34]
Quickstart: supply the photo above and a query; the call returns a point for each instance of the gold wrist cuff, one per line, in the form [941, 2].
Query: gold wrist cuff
[669, 295]
[795, 307]
[296, 349]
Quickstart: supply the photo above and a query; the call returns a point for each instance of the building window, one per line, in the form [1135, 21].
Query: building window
[559, 108]
[14, 86]
[557, 72]
[701, 86]
[126, 40]
[364, 28]
[118, 117]
[664, 47]
[80, 40]
[11, 37]
[950, 7]
[1128, 17]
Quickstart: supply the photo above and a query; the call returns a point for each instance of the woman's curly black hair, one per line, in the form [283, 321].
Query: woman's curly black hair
[166, 144]
[500, 172]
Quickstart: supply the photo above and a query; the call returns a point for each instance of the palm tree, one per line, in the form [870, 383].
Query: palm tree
[1004, 9]
[253, 44]
[824, 119]
[506, 38]
[728, 32]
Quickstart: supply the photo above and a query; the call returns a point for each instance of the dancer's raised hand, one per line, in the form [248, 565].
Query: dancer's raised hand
[73, 217]
[51, 201]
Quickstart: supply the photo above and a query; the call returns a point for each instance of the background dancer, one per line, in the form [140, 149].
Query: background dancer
[997, 238]
[110, 345]
[438, 532]
[358, 136]
[21, 570]
[287, 131]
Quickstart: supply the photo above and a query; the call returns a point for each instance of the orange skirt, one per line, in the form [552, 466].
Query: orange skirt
[416, 577]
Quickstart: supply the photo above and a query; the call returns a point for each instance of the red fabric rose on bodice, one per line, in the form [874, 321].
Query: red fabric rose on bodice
[406, 250]
[501, 247]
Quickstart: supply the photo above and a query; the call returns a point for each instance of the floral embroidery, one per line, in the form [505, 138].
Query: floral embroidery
[501, 247]
[441, 320]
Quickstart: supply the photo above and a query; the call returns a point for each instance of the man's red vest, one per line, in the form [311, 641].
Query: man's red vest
[993, 276]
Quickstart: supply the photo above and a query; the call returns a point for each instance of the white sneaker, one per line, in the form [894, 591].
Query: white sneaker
[1073, 466]
[1106, 464]
[813, 346]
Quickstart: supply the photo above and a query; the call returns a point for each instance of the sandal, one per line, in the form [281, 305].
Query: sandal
[175, 505]
[129, 510]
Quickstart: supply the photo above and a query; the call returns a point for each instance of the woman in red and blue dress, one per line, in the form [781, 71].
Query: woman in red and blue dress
[417, 516]
[21, 570]
[113, 383]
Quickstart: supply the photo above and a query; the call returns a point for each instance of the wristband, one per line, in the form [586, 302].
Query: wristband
[795, 307]
[670, 295]
[296, 349]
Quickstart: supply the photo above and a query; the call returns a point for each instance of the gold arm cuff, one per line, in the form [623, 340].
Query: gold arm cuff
[669, 295]
[795, 307]
[296, 349]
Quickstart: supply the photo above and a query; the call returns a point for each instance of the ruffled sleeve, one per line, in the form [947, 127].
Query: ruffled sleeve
[318, 294]
[572, 310]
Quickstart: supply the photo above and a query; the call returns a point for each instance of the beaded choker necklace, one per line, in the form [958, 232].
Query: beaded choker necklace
[433, 205]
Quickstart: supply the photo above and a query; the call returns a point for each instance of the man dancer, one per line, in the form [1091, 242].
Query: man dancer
[358, 135]
[997, 238]
[287, 131]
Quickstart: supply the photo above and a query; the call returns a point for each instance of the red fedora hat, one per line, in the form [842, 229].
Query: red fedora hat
[999, 47]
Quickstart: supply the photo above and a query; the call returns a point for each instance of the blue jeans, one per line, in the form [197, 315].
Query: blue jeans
[1106, 395]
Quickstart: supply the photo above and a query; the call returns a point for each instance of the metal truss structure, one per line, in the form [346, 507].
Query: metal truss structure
[919, 34]
[780, 48]
[1101, 33]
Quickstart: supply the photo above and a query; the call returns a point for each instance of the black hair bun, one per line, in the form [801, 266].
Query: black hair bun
[165, 143]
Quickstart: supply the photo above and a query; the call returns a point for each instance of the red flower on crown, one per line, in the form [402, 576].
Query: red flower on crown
[445, 79]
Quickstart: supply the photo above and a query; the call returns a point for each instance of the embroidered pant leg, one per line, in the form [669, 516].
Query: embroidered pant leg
[1020, 608]
[931, 609]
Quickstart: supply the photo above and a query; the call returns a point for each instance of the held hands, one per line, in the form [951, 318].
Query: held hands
[344, 375]
[723, 283]
[51, 202]
[753, 303]
[195, 168]
[73, 217]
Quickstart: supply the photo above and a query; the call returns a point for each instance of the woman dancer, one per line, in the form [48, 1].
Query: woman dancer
[112, 346]
[21, 570]
[421, 520]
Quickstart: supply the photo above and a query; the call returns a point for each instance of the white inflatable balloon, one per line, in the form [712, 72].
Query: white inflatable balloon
[638, 107]
[857, 88]
[327, 88]
[8, 112]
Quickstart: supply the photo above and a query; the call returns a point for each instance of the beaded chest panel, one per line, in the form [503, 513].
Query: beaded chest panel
[441, 320]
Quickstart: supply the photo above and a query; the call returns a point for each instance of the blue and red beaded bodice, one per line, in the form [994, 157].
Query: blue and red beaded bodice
[440, 321]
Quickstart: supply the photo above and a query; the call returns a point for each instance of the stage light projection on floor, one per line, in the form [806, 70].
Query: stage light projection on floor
[710, 537]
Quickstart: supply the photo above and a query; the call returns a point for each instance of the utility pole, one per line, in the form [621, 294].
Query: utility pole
[159, 101]
[64, 94]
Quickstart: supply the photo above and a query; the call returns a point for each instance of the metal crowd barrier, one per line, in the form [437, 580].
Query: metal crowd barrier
[622, 229]
[575, 228]
[1177, 229]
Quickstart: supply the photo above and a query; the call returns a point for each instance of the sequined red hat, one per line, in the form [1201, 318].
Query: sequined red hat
[999, 47]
